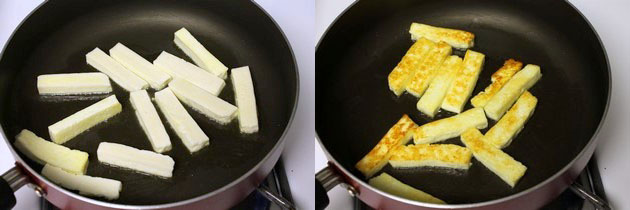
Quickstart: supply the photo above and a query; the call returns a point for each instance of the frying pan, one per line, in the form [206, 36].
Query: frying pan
[55, 39]
[354, 107]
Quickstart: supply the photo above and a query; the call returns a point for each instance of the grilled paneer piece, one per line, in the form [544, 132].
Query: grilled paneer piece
[502, 164]
[399, 134]
[427, 69]
[464, 83]
[519, 83]
[450, 127]
[502, 133]
[431, 155]
[430, 102]
[403, 72]
[498, 79]
[457, 38]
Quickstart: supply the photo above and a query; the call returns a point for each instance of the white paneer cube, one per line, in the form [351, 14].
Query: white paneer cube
[116, 71]
[83, 120]
[143, 161]
[199, 54]
[46, 152]
[186, 128]
[73, 84]
[150, 121]
[245, 99]
[213, 107]
[139, 66]
[179, 68]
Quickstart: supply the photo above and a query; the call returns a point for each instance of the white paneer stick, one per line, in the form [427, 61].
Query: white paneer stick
[116, 71]
[139, 66]
[213, 107]
[245, 99]
[199, 54]
[80, 121]
[144, 161]
[45, 152]
[186, 128]
[179, 68]
[150, 121]
[86, 185]
[73, 84]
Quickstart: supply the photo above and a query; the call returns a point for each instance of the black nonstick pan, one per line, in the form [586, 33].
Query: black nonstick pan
[355, 108]
[55, 39]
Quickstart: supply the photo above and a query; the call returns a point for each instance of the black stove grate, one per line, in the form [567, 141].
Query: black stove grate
[277, 182]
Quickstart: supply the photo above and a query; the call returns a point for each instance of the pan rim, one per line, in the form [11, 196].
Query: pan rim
[592, 140]
[278, 146]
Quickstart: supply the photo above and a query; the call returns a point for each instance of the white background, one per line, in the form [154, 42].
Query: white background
[295, 18]
[609, 17]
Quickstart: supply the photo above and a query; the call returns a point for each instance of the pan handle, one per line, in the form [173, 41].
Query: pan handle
[325, 180]
[10, 182]
[597, 201]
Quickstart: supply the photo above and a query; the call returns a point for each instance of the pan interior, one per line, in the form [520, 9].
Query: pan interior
[355, 107]
[56, 38]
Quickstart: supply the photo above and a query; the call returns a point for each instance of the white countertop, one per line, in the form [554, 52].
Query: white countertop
[610, 21]
[295, 18]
